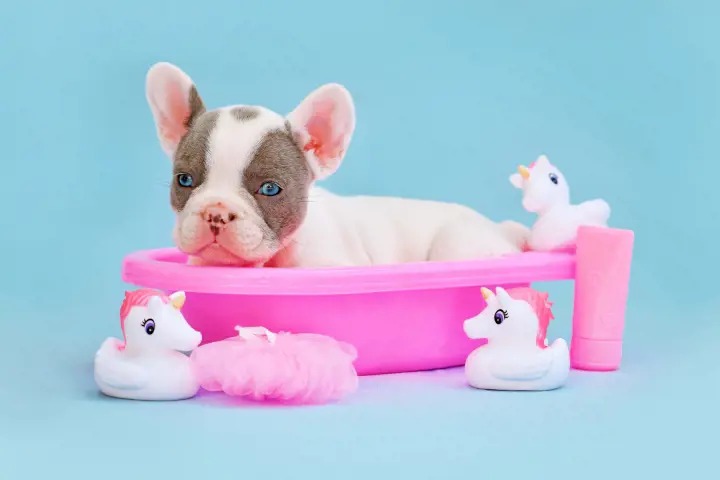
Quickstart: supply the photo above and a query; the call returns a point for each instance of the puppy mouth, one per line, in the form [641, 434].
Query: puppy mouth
[211, 250]
[216, 246]
[236, 243]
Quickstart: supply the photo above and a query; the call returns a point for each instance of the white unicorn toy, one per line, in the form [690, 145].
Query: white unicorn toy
[516, 356]
[546, 193]
[149, 364]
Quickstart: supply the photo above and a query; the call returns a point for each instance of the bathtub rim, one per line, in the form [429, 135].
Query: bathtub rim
[162, 269]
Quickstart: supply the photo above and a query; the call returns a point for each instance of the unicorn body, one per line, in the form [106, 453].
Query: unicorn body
[516, 356]
[149, 365]
[546, 193]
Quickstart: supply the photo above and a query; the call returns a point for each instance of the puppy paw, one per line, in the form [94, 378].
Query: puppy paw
[460, 241]
[516, 233]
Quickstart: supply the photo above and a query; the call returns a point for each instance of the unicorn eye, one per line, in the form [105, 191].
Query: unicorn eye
[553, 178]
[149, 325]
[500, 316]
[269, 189]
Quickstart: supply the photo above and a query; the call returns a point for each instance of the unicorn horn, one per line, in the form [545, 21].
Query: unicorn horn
[524, 172]
[177, 300]
[486, 293]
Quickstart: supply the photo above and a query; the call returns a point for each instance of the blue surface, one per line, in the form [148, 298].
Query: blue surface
[623, 96]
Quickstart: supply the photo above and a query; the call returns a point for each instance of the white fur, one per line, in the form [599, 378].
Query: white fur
[366, 230]
[232, 145]
[337, 231]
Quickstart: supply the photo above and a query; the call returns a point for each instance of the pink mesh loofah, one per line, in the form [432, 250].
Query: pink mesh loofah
[296, 368]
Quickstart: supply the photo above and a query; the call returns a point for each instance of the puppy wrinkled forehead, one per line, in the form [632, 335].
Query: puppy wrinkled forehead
[229, 131]
[238, 132]
[239, 118]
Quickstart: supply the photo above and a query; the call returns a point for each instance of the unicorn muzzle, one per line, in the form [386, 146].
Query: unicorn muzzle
[191, 341]
[197, 339]
[473, 329]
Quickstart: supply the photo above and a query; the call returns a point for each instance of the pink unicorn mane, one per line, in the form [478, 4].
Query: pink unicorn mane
[137, 298]
[530, 167]
[540, 304]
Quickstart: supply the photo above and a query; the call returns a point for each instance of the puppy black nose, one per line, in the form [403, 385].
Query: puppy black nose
[218, 216]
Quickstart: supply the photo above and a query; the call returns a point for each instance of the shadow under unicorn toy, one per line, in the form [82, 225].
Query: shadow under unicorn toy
[149, 364]
[516, 356]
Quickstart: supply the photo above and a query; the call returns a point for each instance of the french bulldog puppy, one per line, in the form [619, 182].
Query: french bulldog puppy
[243, 189]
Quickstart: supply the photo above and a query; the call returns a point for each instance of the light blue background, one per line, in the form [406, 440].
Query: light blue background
[451, 96]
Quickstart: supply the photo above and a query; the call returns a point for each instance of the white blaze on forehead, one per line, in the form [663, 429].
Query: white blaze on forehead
[233, 143]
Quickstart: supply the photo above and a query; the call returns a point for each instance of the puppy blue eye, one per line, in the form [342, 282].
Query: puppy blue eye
[553, 178]
[185, 180]
[269, 189]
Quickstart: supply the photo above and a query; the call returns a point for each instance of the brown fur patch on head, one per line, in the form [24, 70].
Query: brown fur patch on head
[197, 106]
[244, 114]
[279, 159]
[190, 156]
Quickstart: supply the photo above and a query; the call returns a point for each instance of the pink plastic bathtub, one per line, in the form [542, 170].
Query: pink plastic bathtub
[401, 318]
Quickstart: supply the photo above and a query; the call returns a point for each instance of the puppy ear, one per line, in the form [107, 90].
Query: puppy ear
[516, 180]
[174, 102]
[323, 125]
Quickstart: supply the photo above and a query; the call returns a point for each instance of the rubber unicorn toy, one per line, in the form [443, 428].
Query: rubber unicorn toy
[516, 356]
[149, 364]
[546, 193]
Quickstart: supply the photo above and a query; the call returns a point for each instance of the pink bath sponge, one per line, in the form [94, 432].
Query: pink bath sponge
[292, 368]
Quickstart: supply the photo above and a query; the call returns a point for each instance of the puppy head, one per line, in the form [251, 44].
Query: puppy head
[242, 174]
